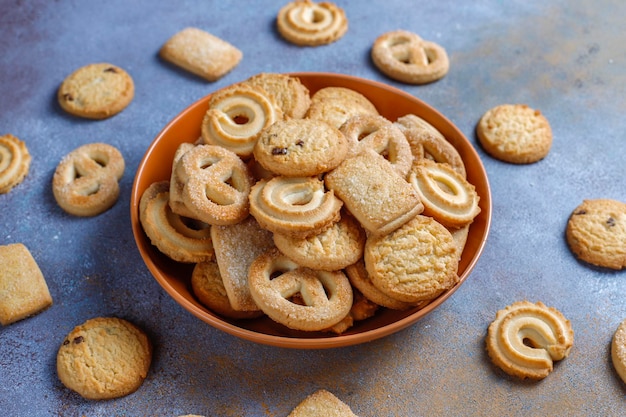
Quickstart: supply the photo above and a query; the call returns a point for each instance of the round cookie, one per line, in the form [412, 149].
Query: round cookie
[336, 105]
[300, 148]
[307, 23]
[96, 91]
[104, 358]
[288, 92]
[14, 162]
[618, 350]
[596, 233]
[515, 133]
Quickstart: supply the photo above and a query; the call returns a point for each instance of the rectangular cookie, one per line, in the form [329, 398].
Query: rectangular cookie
[374, 192]
[23, 289]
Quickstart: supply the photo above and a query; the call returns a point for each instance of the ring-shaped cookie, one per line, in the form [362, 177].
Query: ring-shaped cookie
[445, 194]
[378, 133]
[85, 182]
[14, 162]
[274, 280]
[306, 23]
[294, 206]
[525, 339]
[236, 117]
[216, 184]
[183, 240]
[406, 57]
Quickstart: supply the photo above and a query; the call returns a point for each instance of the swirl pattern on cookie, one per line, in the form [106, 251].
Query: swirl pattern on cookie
[306, 23]
[85, 182]
[322, 298]
[236, 117]
[14, 162]
[525, 339]
[294, 206]
[446, 196]
[216, 184]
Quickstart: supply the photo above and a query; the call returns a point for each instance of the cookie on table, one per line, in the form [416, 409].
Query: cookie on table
[201, 53]
[322, 403]
[14, 162]
[618, 350]
[23, 289]
[596, 233]
[515, 133]
[306, 23]
[96, 91]
[104, 358]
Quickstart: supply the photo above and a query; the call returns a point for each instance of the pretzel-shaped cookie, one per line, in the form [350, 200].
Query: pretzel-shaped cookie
[294, 206]
[85, 183]
[14, 162]
[406, 57]
[216, 184]
[445, 194]
[178, 238]
[525, 339]
[378, 133]
[236, 117]
[274, 280]
[304, 22]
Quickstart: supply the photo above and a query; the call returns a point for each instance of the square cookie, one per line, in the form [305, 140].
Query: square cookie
[201, 53]
[23, 289]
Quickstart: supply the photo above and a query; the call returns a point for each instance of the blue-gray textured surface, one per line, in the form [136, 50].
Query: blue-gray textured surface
[566, 58]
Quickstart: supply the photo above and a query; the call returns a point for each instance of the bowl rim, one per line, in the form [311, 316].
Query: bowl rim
[332, 340]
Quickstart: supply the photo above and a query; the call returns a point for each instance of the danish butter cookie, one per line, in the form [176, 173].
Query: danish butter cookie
[322, 403]
[288, 92]
[23, 288]
[300, 148]
[85, 183]
[201, 53]
[207, 285]
[415, 262]
[14, 162]
[331, 250]
[236, 247]
[335, 105]
[618, 350]
[104, 358]
[376, 195]
[404, 56]
[526, 338]
[299, 298]
[596, 233]
[515, 133]
[306, 23]
[96, 91]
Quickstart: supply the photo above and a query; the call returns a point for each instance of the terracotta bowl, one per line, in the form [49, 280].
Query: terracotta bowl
[175, 277]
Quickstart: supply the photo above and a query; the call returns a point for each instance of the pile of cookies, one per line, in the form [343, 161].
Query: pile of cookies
[312, 209]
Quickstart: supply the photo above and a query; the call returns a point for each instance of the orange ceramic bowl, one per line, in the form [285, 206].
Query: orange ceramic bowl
[175, 277]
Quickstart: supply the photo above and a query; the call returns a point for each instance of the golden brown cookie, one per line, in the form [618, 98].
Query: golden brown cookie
[201, 53]
[416, 262]
[515, 133]
[526, 338]
[404, 56]
[104, 358]
[618, 350]
[288, 92]
[306, 23]
[207, 285]
[23, 288]
[300, 148]
[85, 182]
[335, 105]
[14, 162]
[596, 233]
[96, 91]
[322, 403]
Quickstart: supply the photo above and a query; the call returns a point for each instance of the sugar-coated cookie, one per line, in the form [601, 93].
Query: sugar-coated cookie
[306, 23]
[23, 288]
[335, 105]
[287, 91]
[596, 233]
[14, 162]
[104, 358]
[322, 403]
[515, 133]
[201, 53]
[96, 91]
